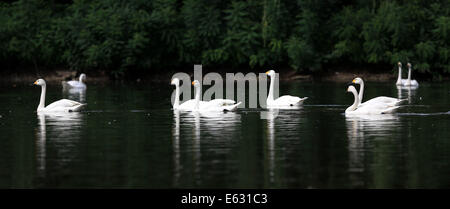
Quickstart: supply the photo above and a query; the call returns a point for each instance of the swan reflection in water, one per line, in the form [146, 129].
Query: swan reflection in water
[282, 117]
[75, 94]
[191, 125]
[361, 131]
[410, 91]
[57, 130]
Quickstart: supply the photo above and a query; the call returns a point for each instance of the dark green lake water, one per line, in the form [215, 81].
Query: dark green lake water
[128, 137]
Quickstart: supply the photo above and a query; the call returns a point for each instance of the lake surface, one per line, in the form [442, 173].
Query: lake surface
[128, 137]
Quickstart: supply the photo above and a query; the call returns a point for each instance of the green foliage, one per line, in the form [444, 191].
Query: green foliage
[122, 37]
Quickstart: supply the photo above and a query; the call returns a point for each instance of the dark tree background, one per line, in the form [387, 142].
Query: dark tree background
[142, 36]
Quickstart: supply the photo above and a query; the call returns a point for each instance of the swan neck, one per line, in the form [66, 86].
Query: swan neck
[272, 83]
[197, 97]
[81, 79]
[42, 100]
[409, 74]
[355, 103]
[399, 78]
[361, 92]
[176, 102]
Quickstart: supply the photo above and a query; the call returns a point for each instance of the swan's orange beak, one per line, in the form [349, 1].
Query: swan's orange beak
[193, 82]
[354, 81]
[35, 83]
[267, 72]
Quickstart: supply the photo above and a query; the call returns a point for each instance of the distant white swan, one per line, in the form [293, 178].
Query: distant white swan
[400, 81]
[75, 84]
[197, 105]
[282, 101]
[63, 105]
[381, 99]
[187, 105]
[213, 105]
[410, 82]
[405, 82]
[374, 108]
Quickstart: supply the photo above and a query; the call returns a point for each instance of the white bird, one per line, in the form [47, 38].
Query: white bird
[63, 105]
[374, 108]
[191, 105]
[213, 105]
[410, 82]
[391, 101]
[75, 84]
[187, 105]
[283, 101]
[400, 81]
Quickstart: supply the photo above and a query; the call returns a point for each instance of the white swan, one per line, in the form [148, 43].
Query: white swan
[213, 105]
[75, 84]
[224, 104]
[63, 105]
[400, 81]
[374, 108]
[187, 105]
[410, 82]
[381, 99]
[282, 101]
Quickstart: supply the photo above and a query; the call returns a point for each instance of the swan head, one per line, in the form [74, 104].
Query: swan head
[270, 73]
[175, 81]
[39, 82]
[351, 88]
[82, 76]
[357, 80]
[399, 64]
[409, 65]
[195, 83]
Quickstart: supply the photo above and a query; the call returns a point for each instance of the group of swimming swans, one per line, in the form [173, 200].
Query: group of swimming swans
[197, 105]
[63, 105]
[382, 104]
[378, 105]
[408, 81]
[228, 104]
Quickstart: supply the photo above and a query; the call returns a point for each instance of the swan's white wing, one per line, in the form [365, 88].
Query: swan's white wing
[219, 105]
[64, 105]
[414, 83]
[189, 105]
[221, 102]
[390, 110]
[404, 81]
[75, 84]
[374, 108]
[382, 99]
[287, 101]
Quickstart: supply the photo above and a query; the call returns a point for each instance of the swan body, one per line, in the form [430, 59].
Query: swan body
[63, 105]
[197, 105]
[373, 108]
[400, 81]
[213, 105]
[190, 104]
[408, 81]
[283, 101]
[391, 101]
[75, 84]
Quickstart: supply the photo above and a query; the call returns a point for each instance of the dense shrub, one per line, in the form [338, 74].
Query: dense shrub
[119, 36]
